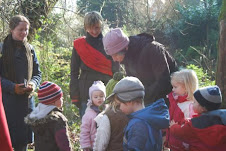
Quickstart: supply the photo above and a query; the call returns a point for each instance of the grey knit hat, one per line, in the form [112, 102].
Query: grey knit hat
[209, 97]
[127, 89]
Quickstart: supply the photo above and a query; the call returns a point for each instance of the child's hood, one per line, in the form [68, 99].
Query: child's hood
[40, 112]
[213, 125]
[221, 113]
[157, 114]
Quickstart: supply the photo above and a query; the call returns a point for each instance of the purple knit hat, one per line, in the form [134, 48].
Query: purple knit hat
[49, 92]
[114, 41]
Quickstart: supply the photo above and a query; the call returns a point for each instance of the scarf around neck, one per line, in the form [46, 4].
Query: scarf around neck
[92, 57]
[8, 51]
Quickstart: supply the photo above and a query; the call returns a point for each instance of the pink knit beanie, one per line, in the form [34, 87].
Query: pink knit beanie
[97, 86]
[49, 92]
[114, 41]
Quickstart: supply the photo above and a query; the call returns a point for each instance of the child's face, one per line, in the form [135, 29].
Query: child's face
[59, 102]
[178, 88]
[126, 108]
[94, 30]
[118, 57]
[197, 107]
[97, 97]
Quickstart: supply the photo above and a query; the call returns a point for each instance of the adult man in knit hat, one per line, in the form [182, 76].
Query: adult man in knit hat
[207, 131]
[143, 58]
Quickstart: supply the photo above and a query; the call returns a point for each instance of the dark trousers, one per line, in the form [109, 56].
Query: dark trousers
[82, 108]
[20, 148]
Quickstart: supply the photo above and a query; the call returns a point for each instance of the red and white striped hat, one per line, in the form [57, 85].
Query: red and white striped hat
[49, 92]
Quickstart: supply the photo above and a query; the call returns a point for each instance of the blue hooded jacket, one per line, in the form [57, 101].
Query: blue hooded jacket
[143, 132]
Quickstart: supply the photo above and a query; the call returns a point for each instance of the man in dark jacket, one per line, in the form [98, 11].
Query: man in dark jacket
[143, 58]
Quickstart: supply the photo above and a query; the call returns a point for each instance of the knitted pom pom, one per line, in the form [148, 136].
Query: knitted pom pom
[118, 76]
[111, 83]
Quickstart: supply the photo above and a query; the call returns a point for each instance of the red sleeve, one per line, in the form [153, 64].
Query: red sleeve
[184, 132]
[5, 141]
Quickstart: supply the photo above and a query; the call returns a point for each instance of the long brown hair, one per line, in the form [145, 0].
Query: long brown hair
[15, 20]
[9, 46]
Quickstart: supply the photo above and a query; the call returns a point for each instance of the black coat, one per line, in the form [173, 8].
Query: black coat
[18, 106]
[149, 61]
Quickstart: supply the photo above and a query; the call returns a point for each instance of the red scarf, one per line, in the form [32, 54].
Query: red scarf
[5, 141]
[92, 57]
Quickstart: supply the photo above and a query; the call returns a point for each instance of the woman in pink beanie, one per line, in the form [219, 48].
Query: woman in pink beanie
[143, 58]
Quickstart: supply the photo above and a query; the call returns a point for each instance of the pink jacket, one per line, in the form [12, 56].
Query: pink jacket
[88, 129]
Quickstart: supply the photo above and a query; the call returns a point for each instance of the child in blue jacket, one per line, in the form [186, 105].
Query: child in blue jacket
[143, 132]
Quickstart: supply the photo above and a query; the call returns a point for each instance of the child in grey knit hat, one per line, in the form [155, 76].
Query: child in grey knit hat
[207, 131]
[143, 132]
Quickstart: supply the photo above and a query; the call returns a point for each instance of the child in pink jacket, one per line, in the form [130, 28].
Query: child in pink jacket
[97, 94]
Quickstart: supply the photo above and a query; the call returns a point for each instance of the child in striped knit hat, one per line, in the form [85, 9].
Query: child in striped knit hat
[47, 121]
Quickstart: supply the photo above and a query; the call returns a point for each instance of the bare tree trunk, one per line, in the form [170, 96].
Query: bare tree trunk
[221, 64]
[37, 11]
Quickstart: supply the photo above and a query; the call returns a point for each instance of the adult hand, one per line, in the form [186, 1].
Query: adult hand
[19, 89]
[172, 123]
[30, 89]
[31, 85]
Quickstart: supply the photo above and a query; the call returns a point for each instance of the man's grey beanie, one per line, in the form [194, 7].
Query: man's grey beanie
[128, 89]
[209, 97]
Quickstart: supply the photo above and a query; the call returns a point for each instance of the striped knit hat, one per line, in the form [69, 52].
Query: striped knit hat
[49, 92]
[209, 97]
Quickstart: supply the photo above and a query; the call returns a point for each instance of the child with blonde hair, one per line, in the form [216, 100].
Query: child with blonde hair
[111, 123]
[184, 83]
[207, 131]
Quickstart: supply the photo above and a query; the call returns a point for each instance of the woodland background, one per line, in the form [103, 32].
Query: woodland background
[194, 31]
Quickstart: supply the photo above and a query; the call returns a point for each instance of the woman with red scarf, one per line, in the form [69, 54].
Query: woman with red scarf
[89, 62]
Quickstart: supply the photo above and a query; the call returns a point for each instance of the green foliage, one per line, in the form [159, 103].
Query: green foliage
[203, 77]
[114, 12]
[195, 34]
[195, 26]
[198, 56]
[222, 15]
